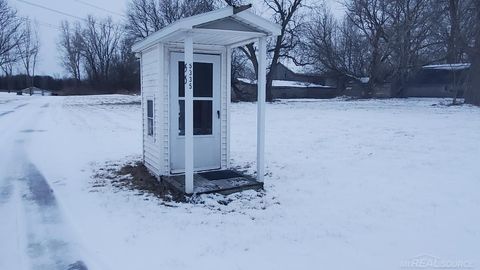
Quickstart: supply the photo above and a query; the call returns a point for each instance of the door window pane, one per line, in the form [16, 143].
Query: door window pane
[202, 79]
[202, 117]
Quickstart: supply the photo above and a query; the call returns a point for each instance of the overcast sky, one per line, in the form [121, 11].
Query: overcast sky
[48, 22]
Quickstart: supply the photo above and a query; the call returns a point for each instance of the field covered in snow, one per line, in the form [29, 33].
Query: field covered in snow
[375, 184]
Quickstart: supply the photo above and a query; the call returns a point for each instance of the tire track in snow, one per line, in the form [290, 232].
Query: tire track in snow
[13, 109]
[48, 241]
[20, 106]
[11, 230]
[6, 190]
[36, 234]
[5, 113]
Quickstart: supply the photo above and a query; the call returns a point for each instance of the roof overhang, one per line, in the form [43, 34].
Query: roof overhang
[448, 67]
[229, 26]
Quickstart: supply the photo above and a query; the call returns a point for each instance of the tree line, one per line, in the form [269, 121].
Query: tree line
[19, 44]
[97, 55]
[388, 40]
[382, 40]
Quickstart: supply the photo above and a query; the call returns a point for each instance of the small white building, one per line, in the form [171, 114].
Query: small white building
[35, 91]
[186, 87]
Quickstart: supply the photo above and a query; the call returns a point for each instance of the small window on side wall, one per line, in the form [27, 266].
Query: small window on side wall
[150, 117]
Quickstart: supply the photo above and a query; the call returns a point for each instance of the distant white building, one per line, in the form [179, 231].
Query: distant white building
[35, 91]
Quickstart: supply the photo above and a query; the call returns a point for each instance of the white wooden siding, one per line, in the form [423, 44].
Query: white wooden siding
[166, 111]
[223, 114]
[150, 83]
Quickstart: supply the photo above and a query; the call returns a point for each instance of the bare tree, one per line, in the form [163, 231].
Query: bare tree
[28, 50]
[126, 68]
[371, 18]
[99, 45]
[333, 47]
[454, 39]
[147, 16]
[411, 26]
[70, 49]
[240, 65]
[11, 33]
[354, 50]
[472, 96]
[286, 14]
[389, 40]
[322, 38]
[7, 68]
[451, 30]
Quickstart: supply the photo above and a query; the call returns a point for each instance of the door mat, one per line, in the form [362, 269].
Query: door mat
[218, 175]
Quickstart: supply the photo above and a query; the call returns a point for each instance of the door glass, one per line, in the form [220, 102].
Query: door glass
[202, 79]
[202, 117]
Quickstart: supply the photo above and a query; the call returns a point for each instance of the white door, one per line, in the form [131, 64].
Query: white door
[206, 112]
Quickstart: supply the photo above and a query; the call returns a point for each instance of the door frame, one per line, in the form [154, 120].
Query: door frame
[216, 59]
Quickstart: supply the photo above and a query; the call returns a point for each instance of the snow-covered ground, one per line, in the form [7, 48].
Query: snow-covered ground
[379, 184]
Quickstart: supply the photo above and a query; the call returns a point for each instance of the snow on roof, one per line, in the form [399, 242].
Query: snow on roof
[459, 66]
[245, 80]
[281, 83]
[360, 79]
[364, 79]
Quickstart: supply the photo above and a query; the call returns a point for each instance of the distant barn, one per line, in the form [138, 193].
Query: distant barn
[287, 84]
[446, 80]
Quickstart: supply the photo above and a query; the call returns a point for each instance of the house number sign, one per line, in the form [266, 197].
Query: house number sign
[189, 76]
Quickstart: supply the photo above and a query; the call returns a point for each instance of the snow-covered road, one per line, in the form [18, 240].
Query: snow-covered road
[31, 220]
[378, 184]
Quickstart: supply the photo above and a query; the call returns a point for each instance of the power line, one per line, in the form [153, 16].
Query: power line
[49, 25]
[99, 8]
[36, 21]
[62, 13]
[52, 10]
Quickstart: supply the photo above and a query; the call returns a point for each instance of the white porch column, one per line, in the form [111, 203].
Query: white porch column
[229, 100]
[189, 114]
[261, 88]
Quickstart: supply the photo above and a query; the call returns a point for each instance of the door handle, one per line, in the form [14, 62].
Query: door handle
[218, 114]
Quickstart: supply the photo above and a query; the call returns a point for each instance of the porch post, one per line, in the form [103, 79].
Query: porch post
[261, 89]
[188, 113]
[229, 100]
